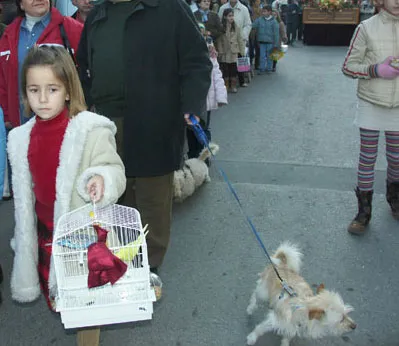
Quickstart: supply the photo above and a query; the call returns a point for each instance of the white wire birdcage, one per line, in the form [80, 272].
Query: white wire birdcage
[131, 297]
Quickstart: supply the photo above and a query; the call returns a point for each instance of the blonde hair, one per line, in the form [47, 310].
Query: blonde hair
[63, 67]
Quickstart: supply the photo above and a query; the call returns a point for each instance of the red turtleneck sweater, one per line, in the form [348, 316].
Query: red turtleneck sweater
[43, 157]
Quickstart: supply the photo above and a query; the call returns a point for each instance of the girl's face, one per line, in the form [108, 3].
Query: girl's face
[274, 14]
[205, 4]
[392, 6]
[46, 93]
[84, 6]
[35, 8]
[230, 18]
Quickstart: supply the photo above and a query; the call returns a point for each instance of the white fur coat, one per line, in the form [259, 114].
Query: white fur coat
[88, 148]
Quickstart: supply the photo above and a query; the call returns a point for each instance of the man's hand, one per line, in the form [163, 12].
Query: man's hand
[95, 188]
[187, 118]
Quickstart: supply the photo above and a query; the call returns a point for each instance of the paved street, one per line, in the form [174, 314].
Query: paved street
[288, 144]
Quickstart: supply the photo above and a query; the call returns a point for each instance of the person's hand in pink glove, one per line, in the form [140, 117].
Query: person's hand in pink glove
[384, 70]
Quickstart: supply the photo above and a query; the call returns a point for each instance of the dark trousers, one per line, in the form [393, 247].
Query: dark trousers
[291, 31]
[300, 27]
[229, 70]
[152, 197]
[241, 78]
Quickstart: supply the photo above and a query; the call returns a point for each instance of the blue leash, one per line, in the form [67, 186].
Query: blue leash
[203, 139]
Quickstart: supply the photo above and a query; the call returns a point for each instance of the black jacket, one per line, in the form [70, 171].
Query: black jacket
[168, 74]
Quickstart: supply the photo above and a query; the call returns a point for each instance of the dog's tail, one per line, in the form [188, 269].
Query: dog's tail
[205, 153]
[289, 255]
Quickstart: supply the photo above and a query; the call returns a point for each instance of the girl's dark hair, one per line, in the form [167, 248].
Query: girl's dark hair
[21, 12]
[63, 67]
[226, 12]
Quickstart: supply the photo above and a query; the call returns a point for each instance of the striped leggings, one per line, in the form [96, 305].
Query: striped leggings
[368, 157]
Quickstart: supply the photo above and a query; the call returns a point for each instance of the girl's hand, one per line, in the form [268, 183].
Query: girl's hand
[386, 70]
[95, 188]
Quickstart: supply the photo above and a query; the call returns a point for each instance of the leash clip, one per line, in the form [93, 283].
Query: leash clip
[288, 289]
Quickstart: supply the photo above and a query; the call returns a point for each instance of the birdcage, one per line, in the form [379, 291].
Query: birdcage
[128, 299]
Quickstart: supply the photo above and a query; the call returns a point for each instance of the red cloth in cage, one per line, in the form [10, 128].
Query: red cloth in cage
[103, 265]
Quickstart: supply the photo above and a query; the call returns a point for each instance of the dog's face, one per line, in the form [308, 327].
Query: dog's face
[330, 315]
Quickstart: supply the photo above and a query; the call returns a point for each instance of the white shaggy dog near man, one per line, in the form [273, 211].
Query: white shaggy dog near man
[306, 314]
[193, 174]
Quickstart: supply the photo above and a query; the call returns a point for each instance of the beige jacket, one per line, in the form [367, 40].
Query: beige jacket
[374, 40]
[229, 45]
[88, 148]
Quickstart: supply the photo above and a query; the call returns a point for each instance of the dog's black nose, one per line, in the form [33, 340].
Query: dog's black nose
[353, 326]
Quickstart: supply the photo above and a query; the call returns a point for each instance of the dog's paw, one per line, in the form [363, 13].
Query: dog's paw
[251, 339]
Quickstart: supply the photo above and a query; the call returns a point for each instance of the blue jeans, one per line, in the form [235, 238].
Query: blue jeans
[265, 62]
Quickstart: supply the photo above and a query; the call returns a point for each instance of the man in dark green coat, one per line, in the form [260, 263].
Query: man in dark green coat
[145, 65]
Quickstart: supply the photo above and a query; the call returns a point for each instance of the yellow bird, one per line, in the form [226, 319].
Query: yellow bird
[132, 249]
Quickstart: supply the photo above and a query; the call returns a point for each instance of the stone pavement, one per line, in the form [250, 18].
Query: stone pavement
[288, 144]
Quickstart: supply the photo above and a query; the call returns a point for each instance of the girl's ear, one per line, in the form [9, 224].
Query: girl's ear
[67, 98]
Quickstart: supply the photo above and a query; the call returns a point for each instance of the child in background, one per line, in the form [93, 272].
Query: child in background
[267, 34]
[228, 46]
[61, 159]
[217, 95]
[282, 35]
[373, 58]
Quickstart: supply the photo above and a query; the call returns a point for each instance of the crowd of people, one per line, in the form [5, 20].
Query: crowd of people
[250, 29]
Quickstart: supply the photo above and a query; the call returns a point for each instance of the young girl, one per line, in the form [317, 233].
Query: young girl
[282, 35]
[62, 158]
[228, 46]
[372, 58]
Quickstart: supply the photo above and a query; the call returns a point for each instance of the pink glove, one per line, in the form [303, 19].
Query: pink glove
[385, 70]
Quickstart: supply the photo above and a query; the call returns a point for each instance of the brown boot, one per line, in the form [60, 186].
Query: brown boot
[362, 219]
[392, 196]
[233, 82]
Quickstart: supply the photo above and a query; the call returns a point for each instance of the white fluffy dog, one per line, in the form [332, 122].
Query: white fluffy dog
[193, 174]
[304, 315]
